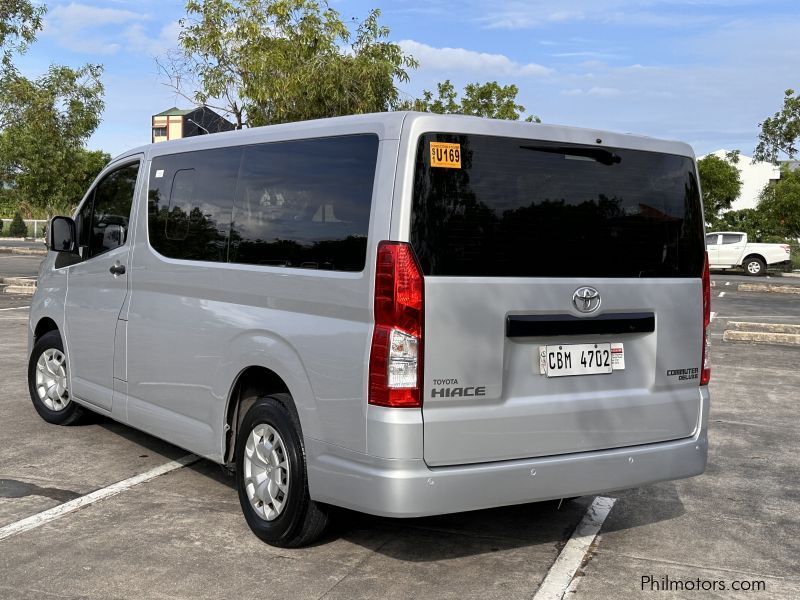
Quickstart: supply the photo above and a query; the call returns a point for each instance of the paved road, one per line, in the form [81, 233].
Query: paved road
[19, 265]
[182, 535]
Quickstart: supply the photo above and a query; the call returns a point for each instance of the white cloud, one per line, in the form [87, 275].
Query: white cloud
[101, 30]
[463, 60]
[601, 92]
[81, 27]
[527, 14]
[138, 40]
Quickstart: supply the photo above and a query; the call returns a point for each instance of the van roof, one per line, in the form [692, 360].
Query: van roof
[390, 124]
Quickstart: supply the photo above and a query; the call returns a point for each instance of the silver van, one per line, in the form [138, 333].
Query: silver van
[402, 314]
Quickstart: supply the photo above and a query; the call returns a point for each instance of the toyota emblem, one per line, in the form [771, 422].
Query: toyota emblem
[586, 299]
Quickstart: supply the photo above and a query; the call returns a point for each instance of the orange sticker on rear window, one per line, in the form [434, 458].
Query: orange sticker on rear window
[445, 155]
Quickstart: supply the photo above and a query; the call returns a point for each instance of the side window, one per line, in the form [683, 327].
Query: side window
[103, 221]
[83, 222]
[113, 198]
[711, 239]
[305, 203]
[190, 200]
[731, 238]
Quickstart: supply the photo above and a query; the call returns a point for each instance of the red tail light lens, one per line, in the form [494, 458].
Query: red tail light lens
[705, 371]
[395, 360]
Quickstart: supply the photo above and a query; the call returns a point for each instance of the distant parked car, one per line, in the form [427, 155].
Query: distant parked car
[730, 249]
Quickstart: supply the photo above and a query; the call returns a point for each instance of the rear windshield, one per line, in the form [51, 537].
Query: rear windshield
[492, 207]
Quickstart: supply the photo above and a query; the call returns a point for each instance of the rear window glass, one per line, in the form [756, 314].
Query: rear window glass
[493, 207]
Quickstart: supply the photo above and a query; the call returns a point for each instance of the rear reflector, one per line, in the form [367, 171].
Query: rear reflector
[395, 359]
[705, 374]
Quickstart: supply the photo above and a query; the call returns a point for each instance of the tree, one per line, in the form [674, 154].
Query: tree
[781, 132]
[19, 22]
[780, 203]
[755, 223]
[44, 124]
[276, 61]
[490, 100]
[720, 182]
[18, 227]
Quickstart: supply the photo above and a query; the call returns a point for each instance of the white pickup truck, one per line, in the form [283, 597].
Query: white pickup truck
[729, 249]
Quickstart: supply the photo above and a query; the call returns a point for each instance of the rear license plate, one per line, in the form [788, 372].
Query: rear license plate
[580, 359]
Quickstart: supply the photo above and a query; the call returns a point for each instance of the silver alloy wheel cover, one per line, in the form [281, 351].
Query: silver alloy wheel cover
[753, 266]
[266, 471]
[51, 379]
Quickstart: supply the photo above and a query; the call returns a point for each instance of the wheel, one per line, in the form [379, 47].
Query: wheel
[754, 266]
[47, 382]
[271, 476]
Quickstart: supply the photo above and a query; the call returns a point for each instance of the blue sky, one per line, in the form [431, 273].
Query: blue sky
[702, 71]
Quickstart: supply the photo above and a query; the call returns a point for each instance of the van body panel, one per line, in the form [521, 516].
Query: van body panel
[411, 488]
[174, 335]
[485, 398]
[194, 326]
[526, 414]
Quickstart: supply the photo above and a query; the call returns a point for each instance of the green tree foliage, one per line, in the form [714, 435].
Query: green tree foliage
[720, 182]
[18, 227]
[44, 124]
[781, 132]
[19, 22]
[755, 223]
[490, 100]
[780, 204]
[276, 61]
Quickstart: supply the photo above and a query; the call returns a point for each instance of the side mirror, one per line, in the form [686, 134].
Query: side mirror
[61, 235]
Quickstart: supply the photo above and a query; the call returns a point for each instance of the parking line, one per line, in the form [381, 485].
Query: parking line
[721, 294]
[15, 308]
[54, 513]
[713, 316]
[560, 575]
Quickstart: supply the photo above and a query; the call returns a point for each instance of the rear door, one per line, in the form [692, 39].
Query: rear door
[731, 249]
[563, 304]
[712, 247]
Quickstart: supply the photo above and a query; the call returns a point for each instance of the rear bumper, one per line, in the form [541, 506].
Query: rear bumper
[409, 488]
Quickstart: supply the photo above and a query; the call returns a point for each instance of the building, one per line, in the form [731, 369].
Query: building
[755, 177]
[177, 123]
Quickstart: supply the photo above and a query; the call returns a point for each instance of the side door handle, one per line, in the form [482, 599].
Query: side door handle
[117, 269]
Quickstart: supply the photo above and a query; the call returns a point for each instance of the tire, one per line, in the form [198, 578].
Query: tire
[48, 382]
[270, 451]
[754, 266]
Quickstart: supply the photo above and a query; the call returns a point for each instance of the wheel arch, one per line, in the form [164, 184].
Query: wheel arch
[44, 325]
[252, 382]
[754, 255]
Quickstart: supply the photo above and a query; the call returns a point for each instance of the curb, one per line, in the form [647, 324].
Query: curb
[22, 250]
[763, 327]
[762, 337]
[769, 288]
[25, 290]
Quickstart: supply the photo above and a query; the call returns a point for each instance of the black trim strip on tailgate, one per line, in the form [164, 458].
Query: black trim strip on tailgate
[554, 325]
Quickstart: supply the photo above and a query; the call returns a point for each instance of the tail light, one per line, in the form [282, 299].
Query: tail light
[705, 374]
[395, 359]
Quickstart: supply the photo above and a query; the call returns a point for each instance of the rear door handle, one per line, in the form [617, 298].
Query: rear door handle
[117, 269]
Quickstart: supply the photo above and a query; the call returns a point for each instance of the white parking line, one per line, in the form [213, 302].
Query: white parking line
[713, 316]
[54, 513]
[560, 575]
[15, 308]
[721, 294]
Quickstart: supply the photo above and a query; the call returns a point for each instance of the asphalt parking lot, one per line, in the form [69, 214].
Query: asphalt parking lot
[181, 535]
